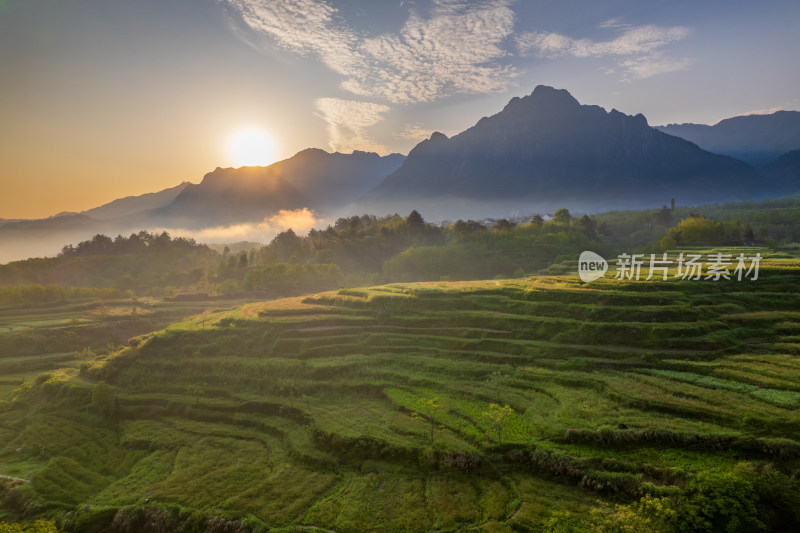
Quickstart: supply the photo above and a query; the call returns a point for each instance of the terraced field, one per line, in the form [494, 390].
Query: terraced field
[41, 338]
[522, 405]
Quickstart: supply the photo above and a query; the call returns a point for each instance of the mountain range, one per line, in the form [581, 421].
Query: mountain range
[312, 178]
[756, 139]
[547, 148]
[131, 205]
[542, 151]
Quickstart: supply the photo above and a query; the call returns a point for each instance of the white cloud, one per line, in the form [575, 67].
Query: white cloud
[614, 23]
[650, 65]
[302, 26]
[416, 132]
[632, 41]
[636, 47]
[455, 48]
[769, 111]
[299, 220]
[348, 121]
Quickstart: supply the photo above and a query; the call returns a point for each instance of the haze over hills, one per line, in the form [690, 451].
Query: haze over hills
[785, 170]
[548, 149]
[227, 196]
[541, 152]
[136, 204]
[313, 179]
[756, 139]
[330, 181]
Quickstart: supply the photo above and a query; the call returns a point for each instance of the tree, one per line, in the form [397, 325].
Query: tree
[470, 227]
[698, 230]
[194, 389]
[587, 226]
[667, 243]
[562, 217]
[286, 244]
[664, 216]
[648, 514]
[504, 224]
[498, 417]
[748, 235]
[428, 408]
[415, 220]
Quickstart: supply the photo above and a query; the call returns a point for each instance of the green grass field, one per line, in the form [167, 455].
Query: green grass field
[542, 404]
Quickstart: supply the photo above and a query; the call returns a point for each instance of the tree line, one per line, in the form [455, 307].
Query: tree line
[367, 249]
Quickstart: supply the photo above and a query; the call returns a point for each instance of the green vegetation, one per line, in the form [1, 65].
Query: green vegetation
[145, 263]
[515, 405]
[67, 334]
[26, 295]
[292, 278]
[134, 396]
[770, 222]
[39, 526]
[367, 250]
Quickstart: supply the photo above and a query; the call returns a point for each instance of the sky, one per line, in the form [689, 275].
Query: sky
[101, 99]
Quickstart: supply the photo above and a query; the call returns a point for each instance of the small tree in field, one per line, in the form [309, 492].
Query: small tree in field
[498, 416]
[427, 408]
[195, 390]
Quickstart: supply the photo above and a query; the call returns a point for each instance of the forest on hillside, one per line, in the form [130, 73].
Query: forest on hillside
[367, 249]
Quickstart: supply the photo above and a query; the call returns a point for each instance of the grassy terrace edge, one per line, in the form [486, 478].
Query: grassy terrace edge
[518, 405]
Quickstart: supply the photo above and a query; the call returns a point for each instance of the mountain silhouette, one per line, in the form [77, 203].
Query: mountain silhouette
[757, 139]
[784, 172]
[332, 180]
[229, 196]
[312, 178]
[547, 147]
[134, 204]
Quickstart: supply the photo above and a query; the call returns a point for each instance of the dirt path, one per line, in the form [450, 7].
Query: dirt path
[12, 478]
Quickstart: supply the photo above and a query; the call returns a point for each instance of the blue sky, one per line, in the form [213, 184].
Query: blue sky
[105, 98]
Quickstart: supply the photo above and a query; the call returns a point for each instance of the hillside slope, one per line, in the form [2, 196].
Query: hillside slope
[130, 205]
[508, 405]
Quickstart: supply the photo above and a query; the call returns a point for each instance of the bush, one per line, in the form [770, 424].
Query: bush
[720, 502]
[40, 526]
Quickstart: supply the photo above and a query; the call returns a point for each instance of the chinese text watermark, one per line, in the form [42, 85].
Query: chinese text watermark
[687, 266]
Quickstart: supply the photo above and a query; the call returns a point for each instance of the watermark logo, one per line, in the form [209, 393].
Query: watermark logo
[685, 266]
[591, 266]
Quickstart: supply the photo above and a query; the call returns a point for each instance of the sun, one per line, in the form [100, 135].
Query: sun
[251, 147]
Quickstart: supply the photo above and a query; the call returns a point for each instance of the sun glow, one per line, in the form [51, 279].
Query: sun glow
[251, 147]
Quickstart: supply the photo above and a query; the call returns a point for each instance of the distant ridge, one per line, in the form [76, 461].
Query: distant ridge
[549, 147]
[134, 204]
[331, 180]
[784, 172]
[228, 196]
[312, 178]
[756, 139]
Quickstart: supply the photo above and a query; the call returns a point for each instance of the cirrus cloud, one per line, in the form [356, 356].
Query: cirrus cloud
[348, 121]
[455, 48]
[637, 48]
